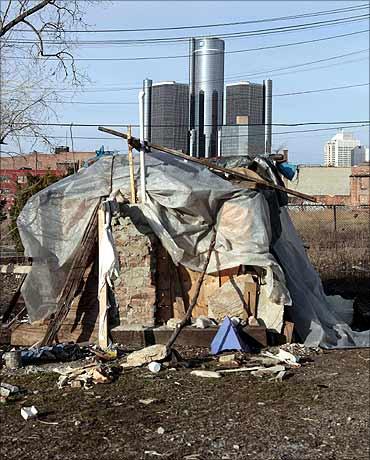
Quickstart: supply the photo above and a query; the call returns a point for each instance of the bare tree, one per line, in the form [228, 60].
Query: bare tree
[36, 55]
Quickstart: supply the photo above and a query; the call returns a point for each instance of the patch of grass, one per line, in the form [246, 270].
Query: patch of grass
[340, 252]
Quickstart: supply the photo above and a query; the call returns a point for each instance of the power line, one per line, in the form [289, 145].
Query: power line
[225, 24]
[182, 56]
[92, 125]
[274, 133]
[245, 50]
[255, 97]
[265, 72]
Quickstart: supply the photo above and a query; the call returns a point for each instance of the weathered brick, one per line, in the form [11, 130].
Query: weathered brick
[136, 247]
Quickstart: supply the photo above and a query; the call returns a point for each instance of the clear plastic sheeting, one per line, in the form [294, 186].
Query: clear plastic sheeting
[319, 319]
[184, 201]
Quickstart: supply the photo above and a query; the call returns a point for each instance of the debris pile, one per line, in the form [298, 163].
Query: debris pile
[85, 376]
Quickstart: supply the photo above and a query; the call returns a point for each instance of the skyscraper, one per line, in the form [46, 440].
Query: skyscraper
[247, 119]
[245, 99]
[338, 151]
[168, 115]
[206, 95]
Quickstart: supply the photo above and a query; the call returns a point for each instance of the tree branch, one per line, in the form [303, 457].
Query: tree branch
[20, 18]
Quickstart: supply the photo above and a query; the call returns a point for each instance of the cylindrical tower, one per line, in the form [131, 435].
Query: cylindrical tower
[207, 94]
[147, 88]
[268, 115]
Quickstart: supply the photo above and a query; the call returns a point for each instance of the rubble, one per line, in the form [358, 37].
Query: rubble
[146, 355]
[227, 358]
[146, 402]
[85, 376]
[268, 371]
[283, 357]
[29, 412]
[7, 390]
[206, 374]
[173, 322]
[202, 322]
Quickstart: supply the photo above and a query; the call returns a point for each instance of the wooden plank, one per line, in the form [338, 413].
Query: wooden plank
[131, 167]
[245, 176]
[29, 334]
[103, 319]
[288, 329]
[250, 297]
[189, 336]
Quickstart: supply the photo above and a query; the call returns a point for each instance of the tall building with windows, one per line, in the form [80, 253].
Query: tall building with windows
[245, 99]
[169, 114]
[338, 151]
[247, 113]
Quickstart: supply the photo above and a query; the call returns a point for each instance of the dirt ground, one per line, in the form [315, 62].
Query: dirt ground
[320, 412]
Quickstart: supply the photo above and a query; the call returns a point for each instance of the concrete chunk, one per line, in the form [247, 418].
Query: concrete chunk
[147, 355]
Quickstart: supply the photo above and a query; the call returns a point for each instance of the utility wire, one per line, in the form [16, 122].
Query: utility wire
[182, 40]
[92, 125]
[182, 56]
[245, 50]
[321, 90]
[224, 24]
[274, 133]
[265, 72]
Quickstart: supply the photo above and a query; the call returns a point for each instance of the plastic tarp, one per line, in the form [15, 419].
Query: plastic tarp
[319, 319]
[184, 201]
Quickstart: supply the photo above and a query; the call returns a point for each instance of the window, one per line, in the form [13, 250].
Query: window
[4, 179]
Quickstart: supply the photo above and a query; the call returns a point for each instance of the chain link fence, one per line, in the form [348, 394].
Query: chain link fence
[337, 238]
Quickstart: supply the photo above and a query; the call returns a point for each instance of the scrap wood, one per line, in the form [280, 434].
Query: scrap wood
[193, 302]
[246, 175]
[73, 281]
[90, 373]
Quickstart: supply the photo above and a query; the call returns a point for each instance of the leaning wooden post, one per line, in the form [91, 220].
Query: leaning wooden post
[194, 300]
[103, 320]
[131, 166]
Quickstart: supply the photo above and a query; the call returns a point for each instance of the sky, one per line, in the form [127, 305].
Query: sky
[113, 82]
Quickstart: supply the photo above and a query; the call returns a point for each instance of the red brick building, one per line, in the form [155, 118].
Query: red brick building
[360, 185]
[14, 169]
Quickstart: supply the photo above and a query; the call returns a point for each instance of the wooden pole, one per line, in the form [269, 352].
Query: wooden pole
[131, 166]
[103, 320]
[245, 175]
[194, 300]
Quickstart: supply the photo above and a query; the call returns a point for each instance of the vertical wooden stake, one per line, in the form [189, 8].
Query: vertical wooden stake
[103, 320]
[131, 166]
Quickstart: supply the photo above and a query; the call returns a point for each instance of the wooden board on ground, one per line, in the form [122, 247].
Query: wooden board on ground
[189, 336]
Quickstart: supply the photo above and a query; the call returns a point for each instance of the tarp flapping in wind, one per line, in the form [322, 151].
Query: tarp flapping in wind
[184, 201]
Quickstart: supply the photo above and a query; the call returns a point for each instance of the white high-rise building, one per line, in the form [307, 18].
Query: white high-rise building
[338, 151]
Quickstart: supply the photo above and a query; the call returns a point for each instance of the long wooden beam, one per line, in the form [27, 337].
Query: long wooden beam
[246, 175]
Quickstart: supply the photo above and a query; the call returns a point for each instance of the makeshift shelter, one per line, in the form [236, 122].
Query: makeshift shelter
[184, 204]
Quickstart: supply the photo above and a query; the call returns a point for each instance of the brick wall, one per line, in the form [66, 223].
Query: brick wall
[40, 160]
[135, 290]
[360, 185]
